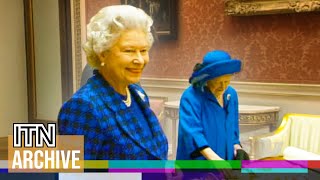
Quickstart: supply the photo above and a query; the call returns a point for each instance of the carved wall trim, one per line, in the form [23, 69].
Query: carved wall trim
[274, 89]
[76, 45]
[258, 119]
[260, 7]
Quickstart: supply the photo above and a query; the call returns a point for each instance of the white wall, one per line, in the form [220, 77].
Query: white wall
[13, 76]
[47, 58]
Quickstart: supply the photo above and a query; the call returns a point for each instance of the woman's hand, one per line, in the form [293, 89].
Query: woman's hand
[227, 172]
[236, 147]
[209, 154]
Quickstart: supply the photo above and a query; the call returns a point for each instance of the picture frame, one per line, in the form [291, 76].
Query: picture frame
[164, 15]
[262, 7]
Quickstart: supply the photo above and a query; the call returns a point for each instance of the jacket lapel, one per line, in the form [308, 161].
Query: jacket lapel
[159, 141]
[124, 116]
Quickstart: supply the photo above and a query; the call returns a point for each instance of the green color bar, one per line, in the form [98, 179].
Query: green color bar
[96, 164]
[274, 170]
[141, 164]
[159, 164]
[206, 164]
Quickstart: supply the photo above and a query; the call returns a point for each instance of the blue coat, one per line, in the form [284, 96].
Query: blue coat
[110, 129]
[204, 123]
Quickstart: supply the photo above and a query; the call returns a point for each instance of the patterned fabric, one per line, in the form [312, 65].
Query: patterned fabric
[110, 129]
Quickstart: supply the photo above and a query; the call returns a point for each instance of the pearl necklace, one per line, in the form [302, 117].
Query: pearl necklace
[128, 100]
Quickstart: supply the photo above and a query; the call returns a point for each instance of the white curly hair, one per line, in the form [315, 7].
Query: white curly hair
[106, 26]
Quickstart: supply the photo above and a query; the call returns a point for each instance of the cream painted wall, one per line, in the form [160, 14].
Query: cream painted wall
[13, 76]
[47, 58]
[288, 103]
[291, 98]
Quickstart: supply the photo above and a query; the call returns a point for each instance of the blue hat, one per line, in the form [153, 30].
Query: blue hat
[215, 63]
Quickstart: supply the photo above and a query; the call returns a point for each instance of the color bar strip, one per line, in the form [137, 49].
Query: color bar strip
[141, 164]
[3, 170]
[314, 164]
[204, 164]
[3, 164]
[148, 170]
[274, 170]
[274, 164]
[96, 164]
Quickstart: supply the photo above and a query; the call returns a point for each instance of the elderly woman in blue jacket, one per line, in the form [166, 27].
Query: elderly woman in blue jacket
[208, 117]
[110, 110]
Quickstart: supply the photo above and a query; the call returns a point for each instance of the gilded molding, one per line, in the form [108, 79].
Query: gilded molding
[261, 7]
[77, 42]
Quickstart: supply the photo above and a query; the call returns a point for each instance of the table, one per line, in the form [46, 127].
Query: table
[250, 115]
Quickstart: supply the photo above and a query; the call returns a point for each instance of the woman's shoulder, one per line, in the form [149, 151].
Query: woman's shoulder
[79, 98]
[231, 90]
[85, 92]
[192, 96]
[85, 95]
[191, 92]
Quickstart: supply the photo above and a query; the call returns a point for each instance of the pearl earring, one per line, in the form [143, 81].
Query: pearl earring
[102, 64]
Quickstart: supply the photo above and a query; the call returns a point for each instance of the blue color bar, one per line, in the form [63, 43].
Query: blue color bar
[3, 170]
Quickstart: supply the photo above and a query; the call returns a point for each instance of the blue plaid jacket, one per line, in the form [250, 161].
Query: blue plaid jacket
[110, 129]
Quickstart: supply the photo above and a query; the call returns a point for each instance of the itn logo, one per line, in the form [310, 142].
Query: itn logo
[35, 147]
[42, 135]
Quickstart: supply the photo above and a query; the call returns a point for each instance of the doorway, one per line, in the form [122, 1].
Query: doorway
[49, 57]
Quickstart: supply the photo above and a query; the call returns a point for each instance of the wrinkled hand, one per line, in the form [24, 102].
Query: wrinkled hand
[236, 147]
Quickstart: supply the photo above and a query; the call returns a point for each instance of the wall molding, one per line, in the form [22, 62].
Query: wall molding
[275, 89]
[76, 45]
[260, 7]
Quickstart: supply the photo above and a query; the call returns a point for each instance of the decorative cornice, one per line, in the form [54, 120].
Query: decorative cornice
[275, 89]
[260, 7]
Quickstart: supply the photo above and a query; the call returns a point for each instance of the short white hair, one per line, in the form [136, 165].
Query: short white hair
[106, 26]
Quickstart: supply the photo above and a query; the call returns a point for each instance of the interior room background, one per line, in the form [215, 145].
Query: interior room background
[280, 55]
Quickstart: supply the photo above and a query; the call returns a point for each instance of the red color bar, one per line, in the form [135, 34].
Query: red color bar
[314, 164]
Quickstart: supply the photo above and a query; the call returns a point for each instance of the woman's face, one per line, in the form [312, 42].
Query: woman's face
[218, 85]
[125, 61]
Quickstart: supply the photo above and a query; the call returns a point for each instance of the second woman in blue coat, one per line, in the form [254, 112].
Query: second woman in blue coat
[208, 115]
